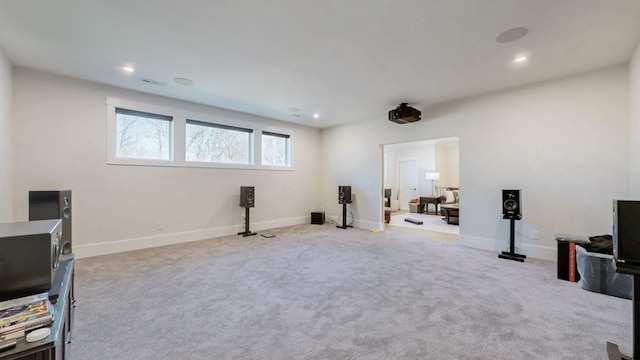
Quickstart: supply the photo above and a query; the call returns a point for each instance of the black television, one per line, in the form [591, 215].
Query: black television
[626, 232]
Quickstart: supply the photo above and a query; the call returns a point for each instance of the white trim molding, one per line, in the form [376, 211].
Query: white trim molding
[124, 245]
[530, 250]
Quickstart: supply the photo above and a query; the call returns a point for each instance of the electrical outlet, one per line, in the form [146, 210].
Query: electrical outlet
[159, 227]
[534, 235]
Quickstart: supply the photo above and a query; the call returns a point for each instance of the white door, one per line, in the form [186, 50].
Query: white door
[407, 182]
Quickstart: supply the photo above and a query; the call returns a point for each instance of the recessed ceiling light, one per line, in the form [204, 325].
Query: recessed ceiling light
[315, 116]
[128, 68]
[520, 59]
[511, 35]
[183, 81]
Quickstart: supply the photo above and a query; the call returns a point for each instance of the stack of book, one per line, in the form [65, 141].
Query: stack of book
[24, 314]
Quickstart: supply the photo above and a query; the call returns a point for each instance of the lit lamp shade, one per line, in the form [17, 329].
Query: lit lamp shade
[432, 176]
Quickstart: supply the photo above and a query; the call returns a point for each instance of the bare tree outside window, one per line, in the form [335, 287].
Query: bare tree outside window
[275, 149]
[137, 137]
[207, 142]
[143, 136]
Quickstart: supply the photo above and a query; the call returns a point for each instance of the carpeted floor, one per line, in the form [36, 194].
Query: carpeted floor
[318, 292]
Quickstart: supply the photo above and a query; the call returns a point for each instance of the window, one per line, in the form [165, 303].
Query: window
[208, 142]
[276, 149]
[142, 135]
[147, 134]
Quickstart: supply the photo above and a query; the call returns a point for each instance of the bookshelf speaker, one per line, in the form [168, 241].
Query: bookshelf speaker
[511, 205]
[344, 194]
[247, 196]
[626, 232]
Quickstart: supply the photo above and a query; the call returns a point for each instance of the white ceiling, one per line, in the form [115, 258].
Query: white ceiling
[347, 60]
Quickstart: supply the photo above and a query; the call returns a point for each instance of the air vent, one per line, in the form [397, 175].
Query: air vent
[154, 82]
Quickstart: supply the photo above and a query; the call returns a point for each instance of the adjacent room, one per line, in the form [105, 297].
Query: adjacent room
[418, 177]
[232, 180]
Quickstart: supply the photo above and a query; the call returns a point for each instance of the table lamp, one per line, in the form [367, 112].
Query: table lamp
[433, 176]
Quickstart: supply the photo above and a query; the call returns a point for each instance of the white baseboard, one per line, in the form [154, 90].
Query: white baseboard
[531, 250]
[118, 246]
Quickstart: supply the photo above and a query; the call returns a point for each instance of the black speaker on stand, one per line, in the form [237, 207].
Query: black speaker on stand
[626, 254]
[612, 349]
[54, 204]
[511, 210]
[344, 198]
[247, 201]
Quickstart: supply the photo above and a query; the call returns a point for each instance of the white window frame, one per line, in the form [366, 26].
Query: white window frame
[249, 131]
[112, 157]
[289, 142]
[179, 122]
[149, 116]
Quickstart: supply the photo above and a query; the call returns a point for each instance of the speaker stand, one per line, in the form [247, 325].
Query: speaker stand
[246, 231]
[344, 217]
[612, 349]
[511, 254]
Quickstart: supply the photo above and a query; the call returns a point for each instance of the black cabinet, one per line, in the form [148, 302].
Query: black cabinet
[57, 345]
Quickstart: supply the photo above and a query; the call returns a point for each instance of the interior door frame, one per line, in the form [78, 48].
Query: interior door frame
[381, 178]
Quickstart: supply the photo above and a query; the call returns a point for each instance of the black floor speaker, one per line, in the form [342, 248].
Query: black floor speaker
[55, 204]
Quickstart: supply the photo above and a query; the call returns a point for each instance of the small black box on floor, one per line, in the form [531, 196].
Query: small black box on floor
[317, 217]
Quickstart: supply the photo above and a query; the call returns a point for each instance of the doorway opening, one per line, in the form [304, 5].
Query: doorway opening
[421, 182]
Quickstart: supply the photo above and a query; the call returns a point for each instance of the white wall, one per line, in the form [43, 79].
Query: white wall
[6, 140]
[60, 143]
[564, 142]
[634, 117]
[449, 157]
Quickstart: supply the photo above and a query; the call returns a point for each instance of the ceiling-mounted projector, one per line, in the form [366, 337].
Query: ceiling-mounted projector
[404, 114]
